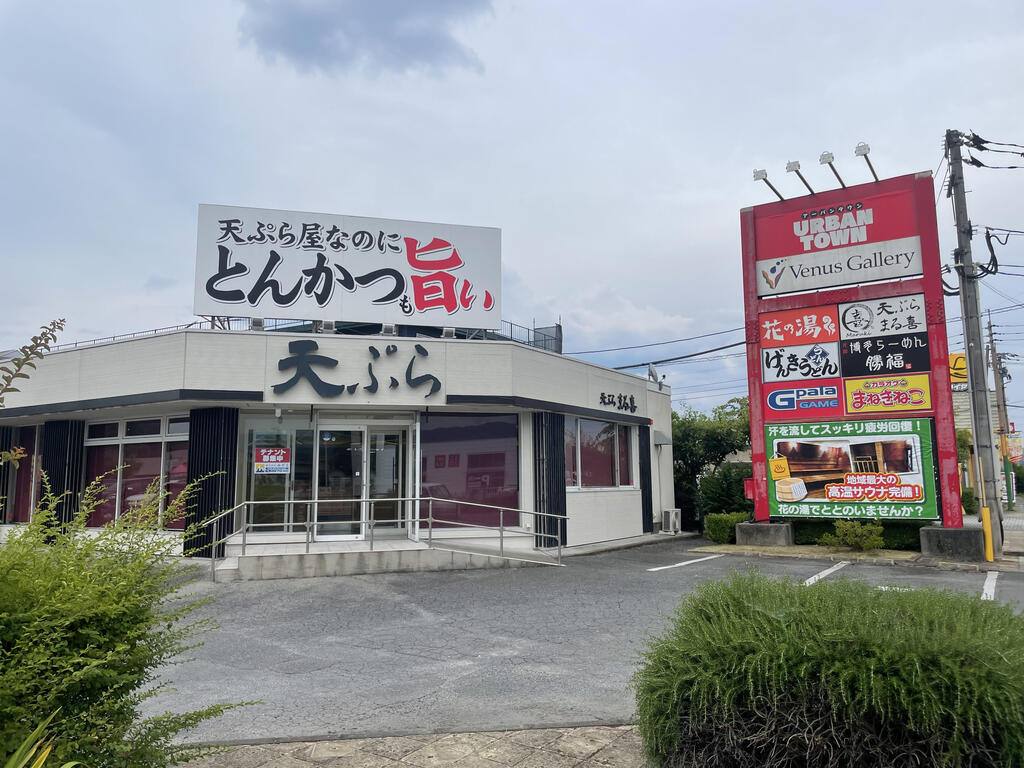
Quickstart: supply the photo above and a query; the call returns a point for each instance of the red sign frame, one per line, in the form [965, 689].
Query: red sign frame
[918, 188]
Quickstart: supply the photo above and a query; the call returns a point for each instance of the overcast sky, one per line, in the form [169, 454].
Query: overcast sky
[611, 142]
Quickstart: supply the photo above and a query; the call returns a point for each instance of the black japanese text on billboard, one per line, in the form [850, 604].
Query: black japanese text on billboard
[882, 317]
[880, 355]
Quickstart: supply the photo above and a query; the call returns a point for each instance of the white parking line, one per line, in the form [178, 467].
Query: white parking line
[988, 592]
[827, 572]
[685, 562]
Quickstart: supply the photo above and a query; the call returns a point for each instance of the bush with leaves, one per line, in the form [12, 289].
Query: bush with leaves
[721, 528]
[700, 441]
[759, 673]
[969, 501]
[86, 620]
[861, 536]
[721, 489]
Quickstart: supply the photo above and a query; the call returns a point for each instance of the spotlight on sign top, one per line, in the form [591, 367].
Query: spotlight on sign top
[793, 166]
[827, 158]
[862, 150]
[762, 175]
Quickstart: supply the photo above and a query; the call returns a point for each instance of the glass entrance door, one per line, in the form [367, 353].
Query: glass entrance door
[356, 465]
[339, 485]
[386, 457]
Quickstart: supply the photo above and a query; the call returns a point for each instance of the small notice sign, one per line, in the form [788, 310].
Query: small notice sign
[272, 461]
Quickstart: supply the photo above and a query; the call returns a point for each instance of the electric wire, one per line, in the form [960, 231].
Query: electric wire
[655, 343]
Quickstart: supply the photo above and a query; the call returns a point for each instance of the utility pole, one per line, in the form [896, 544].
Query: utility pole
[970, 310]
[1004, 421]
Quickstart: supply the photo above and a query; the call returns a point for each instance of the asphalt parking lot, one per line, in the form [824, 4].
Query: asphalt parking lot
[412, 653]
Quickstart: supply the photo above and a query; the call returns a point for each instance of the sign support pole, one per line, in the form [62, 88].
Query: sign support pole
[970, 306]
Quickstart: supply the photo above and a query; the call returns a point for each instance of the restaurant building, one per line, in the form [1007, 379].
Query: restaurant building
[326, 424]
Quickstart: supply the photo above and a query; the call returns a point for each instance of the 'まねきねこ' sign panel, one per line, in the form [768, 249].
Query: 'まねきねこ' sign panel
[888, 394]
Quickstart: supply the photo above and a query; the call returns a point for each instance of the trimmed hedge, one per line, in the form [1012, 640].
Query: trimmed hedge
[755, 672]
[895, 535]
[721, 528]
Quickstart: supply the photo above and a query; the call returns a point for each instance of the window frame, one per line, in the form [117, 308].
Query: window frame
[121, 439]
[631, 451]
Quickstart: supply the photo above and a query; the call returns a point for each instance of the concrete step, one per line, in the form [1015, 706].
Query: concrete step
[301, 565]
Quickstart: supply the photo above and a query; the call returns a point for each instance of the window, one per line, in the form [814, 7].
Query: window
[150, 450]
[471, 458]
[598, 454]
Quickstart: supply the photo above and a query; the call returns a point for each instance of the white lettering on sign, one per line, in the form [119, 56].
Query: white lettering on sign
[828, 231]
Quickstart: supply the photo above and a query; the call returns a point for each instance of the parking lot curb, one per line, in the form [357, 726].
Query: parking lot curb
[1007, 563]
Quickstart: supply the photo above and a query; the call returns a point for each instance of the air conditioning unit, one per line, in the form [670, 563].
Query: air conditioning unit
[388, 329]
[256, 324]
[671, 521]
[447, 333]
[327, 327]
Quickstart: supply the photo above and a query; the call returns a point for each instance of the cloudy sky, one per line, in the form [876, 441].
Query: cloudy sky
[612, 143]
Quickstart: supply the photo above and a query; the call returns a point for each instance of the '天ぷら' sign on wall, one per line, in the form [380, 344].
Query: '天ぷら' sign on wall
[252, 262]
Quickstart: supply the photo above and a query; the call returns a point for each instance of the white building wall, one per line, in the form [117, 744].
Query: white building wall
[602, 515]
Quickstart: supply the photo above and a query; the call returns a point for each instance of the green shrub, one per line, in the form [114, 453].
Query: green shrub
[758, 672]
[721, 528]
[811, 531]
[1018, 478]
[721, 490]
[85, 622]
[861, 536]
[904, 535]
[969, 501]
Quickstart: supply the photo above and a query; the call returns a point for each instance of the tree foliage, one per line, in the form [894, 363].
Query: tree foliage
[15, 369]
[701, 441]
[86, 620]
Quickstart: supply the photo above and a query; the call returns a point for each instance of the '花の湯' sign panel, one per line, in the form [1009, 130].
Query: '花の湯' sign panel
[851, 469]
[860, 240]
[307, 266]
[799, 326]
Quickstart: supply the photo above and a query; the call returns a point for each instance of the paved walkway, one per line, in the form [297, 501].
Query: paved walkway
[594, 747]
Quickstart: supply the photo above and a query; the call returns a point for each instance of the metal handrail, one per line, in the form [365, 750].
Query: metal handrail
[521, 334]
[309, 525]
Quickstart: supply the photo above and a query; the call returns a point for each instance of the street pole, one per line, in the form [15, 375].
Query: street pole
[1004, 421]
[970, 310]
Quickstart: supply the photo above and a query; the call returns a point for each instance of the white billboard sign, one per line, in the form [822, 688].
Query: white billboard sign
[252, 262]
[888, 260]
[891, 316]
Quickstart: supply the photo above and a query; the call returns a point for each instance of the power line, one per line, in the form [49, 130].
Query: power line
[706, 359]
[719, 394]
[680, 357]
[698, 387]
[655, 343]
